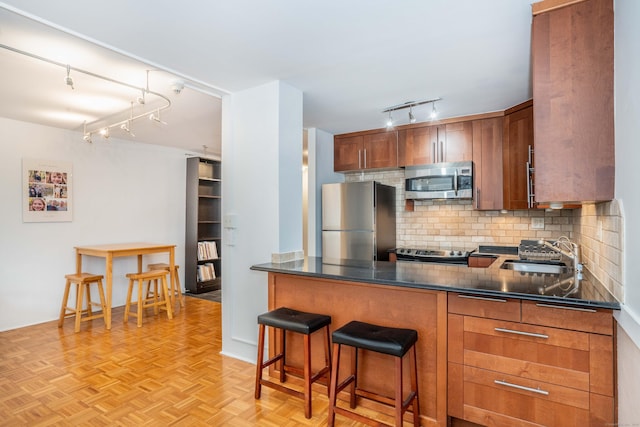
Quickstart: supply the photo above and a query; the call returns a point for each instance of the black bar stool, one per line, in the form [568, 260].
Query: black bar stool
[392, 341]
[286, 319]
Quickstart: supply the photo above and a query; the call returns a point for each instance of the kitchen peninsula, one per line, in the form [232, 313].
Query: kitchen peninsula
[492, 348]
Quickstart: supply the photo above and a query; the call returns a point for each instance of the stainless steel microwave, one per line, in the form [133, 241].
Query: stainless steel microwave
[452, 180]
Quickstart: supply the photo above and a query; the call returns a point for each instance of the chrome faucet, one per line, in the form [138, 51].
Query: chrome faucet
[571, 250]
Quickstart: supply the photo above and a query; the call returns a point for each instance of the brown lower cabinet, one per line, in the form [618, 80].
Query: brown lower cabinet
[522, 363]
[481, 360]
[420, 309]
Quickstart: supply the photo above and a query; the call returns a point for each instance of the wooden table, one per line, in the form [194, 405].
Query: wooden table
[114, 250]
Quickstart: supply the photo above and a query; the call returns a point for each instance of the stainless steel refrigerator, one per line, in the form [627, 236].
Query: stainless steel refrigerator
[358, 222]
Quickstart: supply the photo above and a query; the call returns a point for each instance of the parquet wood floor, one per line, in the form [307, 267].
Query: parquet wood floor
[168, 372]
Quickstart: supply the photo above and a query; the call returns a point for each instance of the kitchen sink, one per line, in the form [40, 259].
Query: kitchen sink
[538, 267]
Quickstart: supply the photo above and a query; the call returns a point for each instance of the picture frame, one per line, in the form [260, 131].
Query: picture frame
[47, 189]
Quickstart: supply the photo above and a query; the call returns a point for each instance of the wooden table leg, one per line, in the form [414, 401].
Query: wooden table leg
[109, 279]
[172, 275]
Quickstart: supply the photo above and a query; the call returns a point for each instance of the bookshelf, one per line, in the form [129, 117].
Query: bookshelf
[203, 234]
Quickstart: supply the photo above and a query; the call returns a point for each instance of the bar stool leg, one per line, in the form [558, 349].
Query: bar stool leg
[283, 352]
[414, 386]
[260, 360]
[398, 394]
[307, 375]
[327, 358]
[354, 375]
[167, 300]
[103, 300]
[176, 289]
[79, 298]
[140, 304]
[333, 387]
[127, 306]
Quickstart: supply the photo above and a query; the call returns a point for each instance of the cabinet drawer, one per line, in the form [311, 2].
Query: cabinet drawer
[481, 306]
[595, 320]
[498, 399]
[554, 356]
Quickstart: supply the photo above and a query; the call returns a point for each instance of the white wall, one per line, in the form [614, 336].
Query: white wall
[262, 187]
[122, 192]
[627, 106]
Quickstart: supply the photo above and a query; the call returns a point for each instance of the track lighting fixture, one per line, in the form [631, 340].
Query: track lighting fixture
[156, 117]
[410, 105]
[69, 80]
[98, 126]
[87, 135]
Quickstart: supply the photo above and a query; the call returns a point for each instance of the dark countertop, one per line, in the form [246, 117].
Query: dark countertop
[491, 281]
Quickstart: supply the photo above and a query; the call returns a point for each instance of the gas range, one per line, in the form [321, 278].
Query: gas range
[432, 255]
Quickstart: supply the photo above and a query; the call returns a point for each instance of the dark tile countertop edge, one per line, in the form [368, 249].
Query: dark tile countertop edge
[485, 281]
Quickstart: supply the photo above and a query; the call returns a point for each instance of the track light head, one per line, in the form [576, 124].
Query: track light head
[69, 80]
[434, 112]
[126, 126]
[105, 133]
[87, 138]
[412, 118]
[177, 86]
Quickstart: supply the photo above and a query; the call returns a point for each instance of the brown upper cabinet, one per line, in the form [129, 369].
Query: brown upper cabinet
[365, 150]
[450, 142]
[487, 162]
[572, 48]
[517, 157]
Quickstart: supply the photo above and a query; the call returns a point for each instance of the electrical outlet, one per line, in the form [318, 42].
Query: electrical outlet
[537, 223]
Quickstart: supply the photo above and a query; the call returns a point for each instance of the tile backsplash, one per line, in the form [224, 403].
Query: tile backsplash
[600, 233]
[439, 224]
[598, 228]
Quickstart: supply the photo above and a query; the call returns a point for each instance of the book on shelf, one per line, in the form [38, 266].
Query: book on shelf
[206, 272]
[207, 250]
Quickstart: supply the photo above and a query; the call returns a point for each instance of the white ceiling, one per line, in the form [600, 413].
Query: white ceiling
[351, 59]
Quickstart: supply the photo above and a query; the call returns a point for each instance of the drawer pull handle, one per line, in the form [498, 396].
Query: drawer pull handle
[521, 387]
[529, 334]
[562, 307]
[482, 298]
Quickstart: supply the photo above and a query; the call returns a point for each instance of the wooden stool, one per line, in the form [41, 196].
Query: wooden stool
[176, 289]
[83, 283]
[285, 319]
[392, 341]
[158, 299]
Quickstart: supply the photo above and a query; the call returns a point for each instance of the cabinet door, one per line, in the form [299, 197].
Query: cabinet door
[347, 153]
[458, 142]
[487, 159]
[572, 53]
[380, 150]
[415, 147]
[518, 137]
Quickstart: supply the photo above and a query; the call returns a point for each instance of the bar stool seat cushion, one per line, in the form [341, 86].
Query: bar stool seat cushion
[293, 320]
[392, 341]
